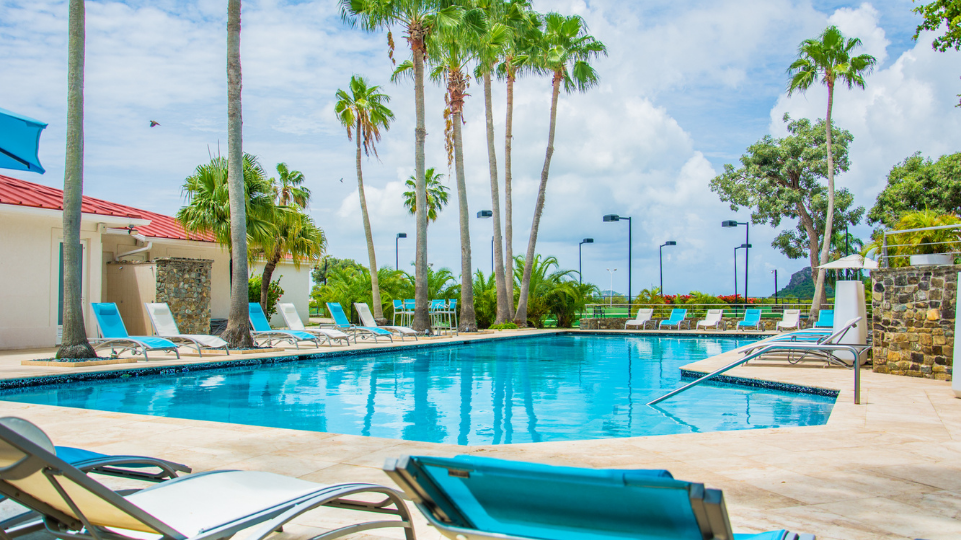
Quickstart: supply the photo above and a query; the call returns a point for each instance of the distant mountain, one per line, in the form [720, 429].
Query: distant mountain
[801, 285]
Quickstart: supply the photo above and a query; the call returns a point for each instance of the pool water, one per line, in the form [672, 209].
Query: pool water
[545, 388]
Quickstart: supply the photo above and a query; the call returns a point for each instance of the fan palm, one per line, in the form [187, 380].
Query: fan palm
[74, 342]
[828, 59]
[364, 113]
[564, 50]
[417, 18]
[437, 194]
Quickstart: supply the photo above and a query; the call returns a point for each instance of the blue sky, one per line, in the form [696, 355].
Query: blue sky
[687, 86]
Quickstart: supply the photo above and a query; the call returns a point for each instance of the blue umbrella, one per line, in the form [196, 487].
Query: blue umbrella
[19, 142]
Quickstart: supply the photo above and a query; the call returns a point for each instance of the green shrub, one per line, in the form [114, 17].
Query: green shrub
[504, 326]
[274, 292]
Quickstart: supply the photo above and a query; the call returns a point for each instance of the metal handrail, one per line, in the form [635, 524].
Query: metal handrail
[851, 348]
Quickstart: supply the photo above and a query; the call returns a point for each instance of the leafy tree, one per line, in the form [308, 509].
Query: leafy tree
[829, 59]
[74, 342]
[328, 265]
[936, 14]
[917, 184]
[795, 243]
[364, 113]
[564, 50]
[418, 19]
[780, 178]
[237, 333]
[437, 194]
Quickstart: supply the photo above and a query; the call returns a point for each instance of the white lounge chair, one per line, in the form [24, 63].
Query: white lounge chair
[367, 319]
[260, 329]
[791, 319]
[714, 319]
[294, 322]
[211, 505]
[165, 326]
[643, 317]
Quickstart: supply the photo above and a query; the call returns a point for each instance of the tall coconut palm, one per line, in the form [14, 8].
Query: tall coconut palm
[828, 59]
[525, 32]
[489, 49]
[564, 51]
[289, 187]
[437, 194]
[364, 113]
[417, 18]
[450, 51]
[74, 342]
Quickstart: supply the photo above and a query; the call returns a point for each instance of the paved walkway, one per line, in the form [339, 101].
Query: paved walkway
[889, 468]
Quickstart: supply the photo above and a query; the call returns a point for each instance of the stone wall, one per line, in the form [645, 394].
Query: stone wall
[184, 284]
[914, 311]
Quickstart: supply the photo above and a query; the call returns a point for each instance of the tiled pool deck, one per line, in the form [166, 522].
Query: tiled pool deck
[889, 468]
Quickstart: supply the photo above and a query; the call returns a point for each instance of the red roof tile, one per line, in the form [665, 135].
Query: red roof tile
[22, 193]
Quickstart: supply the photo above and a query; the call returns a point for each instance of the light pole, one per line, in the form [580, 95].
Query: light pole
[775, 285]
[660, 251]
[611, 290]
[747, 242]
[580, 271]
[615, 217]
[396, 256]
[745, 247]
[484, 214]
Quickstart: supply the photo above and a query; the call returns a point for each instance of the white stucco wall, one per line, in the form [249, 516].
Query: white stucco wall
[296, 284]
[29, 275]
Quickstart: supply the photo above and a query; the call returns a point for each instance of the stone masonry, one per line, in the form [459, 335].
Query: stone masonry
[184, 284]
[914, 311]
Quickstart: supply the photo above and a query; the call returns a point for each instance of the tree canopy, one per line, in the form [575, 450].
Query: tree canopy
[947, 12]
[919, 183]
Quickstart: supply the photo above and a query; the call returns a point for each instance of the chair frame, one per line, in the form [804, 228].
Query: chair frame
[642, 323]
[395, 330]
[319, 332]
[129, 343]
[758, 326]
[719, 324]
[677, 324]
[281, 335]
[181, 338]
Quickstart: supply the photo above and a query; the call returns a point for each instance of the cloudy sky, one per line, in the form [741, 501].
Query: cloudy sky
[687, 86]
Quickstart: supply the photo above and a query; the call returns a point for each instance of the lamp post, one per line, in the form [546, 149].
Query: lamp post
[615, 217]
[396, 256]
[747, 242]
[744, 247]
[775, 285]
[611, 290]
[484, 214]
[580, 271]
[660, 251]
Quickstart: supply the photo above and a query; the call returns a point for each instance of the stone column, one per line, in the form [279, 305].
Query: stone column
[184, 285]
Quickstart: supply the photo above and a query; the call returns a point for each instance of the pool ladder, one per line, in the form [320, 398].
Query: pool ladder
[761, 351]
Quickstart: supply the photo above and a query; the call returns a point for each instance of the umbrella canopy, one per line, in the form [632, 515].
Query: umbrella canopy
[19, 142]
[856, 262]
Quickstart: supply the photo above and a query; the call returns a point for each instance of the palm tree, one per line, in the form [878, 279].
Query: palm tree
[237, 333]
[828, 59]
[564, 50]
[489, 48]
[290, 189]
[208, 202]
[437, 194]
[525, 32]
[418, 18]
[74, 342]
[364, 113]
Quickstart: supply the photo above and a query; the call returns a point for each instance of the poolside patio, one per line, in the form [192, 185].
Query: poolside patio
[889, 468]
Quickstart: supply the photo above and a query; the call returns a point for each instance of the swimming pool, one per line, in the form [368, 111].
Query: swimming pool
[544, 388]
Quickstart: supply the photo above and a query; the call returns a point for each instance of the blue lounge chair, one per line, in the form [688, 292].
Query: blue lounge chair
[342, 323]
[213, 505]
[752, 319]
[825, 319]
[262, 330]
[678, 317]
[113, 334]
[480, 498]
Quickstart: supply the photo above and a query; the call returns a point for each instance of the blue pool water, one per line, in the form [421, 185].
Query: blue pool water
[545, 388]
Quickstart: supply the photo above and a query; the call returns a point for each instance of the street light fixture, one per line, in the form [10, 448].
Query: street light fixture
[660, 251]
[747, 242]
[484, 214]
[396, 256]
[580, 271]
[615, 217]
[775, 285]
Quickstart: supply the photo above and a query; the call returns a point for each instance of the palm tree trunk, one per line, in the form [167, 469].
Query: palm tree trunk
[374, 285]
[269, 266]
[468, 319]
[819, 292]
[74, 342]
[503, 311]
[421, 319]
[520, 318]
[237, 333]
[508, 201]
